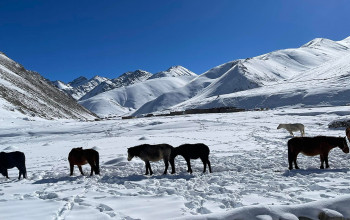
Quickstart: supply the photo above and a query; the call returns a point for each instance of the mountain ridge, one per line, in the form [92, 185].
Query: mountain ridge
[28, 93]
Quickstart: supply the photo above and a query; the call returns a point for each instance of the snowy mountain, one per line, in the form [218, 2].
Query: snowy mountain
[125, 100]
[83, 88]
[80, 86]
[125, 79]
[27, 92]
[314, 74]
[174, 71]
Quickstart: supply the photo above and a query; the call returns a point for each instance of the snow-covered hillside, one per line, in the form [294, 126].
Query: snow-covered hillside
[248, 155]
[327, 83]
[30, 94]
[125, 79]
[125, 100]
[314, 74]
[80, 86]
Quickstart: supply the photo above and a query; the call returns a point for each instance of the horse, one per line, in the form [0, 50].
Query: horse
[293, 127]
[347, 132]
[312, 146]
[11, 160]
[192, 151]
[148, 152]
[79, 156]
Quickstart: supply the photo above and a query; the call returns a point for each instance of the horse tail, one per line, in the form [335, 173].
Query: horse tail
[23, 165]
[97, 161]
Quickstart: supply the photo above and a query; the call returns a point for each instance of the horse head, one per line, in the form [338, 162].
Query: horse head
[130, 154]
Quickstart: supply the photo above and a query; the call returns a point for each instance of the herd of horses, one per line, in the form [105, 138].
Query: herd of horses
[309, 146]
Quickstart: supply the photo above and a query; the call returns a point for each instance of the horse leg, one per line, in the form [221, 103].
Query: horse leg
[322, 161]
[189, 169]
[71, 168]
[146, 165]
[290, 159]
[172, 163]
[22, 171]
[166, 163]
[208, 162]
[81, 170]
[97, 165]
[295, 162]
[6, 174]
[204, 161]
[150, 169]
[326, 160]
[92, 169]
[291, 133]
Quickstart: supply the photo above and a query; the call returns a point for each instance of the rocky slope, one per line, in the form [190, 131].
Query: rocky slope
[29, 93]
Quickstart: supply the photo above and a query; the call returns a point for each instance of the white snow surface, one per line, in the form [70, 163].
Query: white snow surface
[250, 178]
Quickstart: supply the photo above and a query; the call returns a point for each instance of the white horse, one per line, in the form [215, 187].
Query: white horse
[293, 127]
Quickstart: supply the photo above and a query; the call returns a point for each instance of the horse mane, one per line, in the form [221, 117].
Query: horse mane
[136, 149]
[335, 141]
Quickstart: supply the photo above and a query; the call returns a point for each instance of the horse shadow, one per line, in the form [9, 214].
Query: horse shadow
[58, 179]
[138, 178]
[305, 172]
[115, 179]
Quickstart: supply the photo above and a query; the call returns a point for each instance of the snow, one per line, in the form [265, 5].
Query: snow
[250, 178]
[126, 99]
[313, 74]
[173, 71]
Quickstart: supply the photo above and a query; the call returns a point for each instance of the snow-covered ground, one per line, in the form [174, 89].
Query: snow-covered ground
[250, 178]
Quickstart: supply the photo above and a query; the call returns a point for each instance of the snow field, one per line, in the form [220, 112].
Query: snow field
[248, 158]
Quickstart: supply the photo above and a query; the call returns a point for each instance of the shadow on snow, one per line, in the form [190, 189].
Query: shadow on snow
[313, 171]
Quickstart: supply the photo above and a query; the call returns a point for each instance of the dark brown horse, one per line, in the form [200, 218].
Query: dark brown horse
[11, 160]
[79, 156]
[312, 146]
[192, 151]
[347, 132]
[147, 153]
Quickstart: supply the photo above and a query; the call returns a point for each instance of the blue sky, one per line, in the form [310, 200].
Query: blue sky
[66, 39]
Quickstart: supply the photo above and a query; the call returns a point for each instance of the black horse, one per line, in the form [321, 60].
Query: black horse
[147, 153]
[312, 146]
[192, 151]
[11, 160]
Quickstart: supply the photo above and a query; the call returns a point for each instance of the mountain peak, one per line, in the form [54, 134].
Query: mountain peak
[174, 71]
[132, 77]
[78, 81]
[315, 42]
